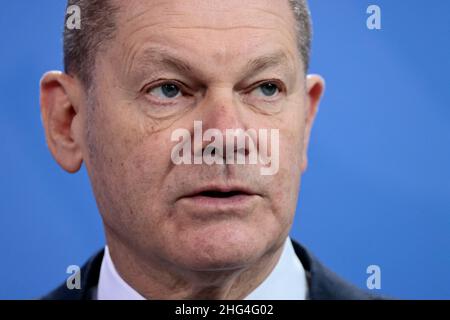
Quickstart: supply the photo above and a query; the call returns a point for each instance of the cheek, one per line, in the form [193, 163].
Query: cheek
[291, 126]
[126, 164]
[291, 145]
[285, 186]
[124, 143]
[147, 163]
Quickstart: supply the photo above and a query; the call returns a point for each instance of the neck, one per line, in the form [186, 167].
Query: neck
[155, 278]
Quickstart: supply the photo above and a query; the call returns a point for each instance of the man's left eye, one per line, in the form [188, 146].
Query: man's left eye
[268, 89]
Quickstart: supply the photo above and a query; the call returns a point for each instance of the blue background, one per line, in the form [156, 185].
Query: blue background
[377, 190]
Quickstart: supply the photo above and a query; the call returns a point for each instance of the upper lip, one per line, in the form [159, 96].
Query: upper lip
[220, 188]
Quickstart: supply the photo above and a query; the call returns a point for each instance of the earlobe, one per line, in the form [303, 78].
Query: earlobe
[315, 86]
[60, 117]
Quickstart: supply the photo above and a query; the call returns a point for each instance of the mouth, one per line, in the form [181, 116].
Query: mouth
[220, 196]
[221, 192]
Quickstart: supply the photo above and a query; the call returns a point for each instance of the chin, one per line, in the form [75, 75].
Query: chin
[221, 248]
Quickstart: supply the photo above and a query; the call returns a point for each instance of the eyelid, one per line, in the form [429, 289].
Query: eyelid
[161, 82]
[154, 100]
[185, 90]
[280, 85]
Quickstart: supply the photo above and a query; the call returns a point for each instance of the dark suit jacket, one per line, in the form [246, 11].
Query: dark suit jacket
[323, 283]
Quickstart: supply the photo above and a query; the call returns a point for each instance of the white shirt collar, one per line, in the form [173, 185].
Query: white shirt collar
[111, 286]
[287, 281]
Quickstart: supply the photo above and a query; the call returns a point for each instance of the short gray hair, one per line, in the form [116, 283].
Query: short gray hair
[304, 29]
[98, 25]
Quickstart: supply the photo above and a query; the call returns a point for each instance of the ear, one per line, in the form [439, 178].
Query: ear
[315, 86]
[60, 101]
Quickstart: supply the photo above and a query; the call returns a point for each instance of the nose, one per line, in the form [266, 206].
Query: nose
[220, 110]
[221, 113]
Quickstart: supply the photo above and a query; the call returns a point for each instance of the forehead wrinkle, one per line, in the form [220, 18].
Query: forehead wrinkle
[162, 56]
[131, 16]
[177, 64]
[153, 56]
[134, 13]
[205, 27]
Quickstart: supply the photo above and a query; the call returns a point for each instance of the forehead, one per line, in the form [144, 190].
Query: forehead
[218, 31]
[207, 13]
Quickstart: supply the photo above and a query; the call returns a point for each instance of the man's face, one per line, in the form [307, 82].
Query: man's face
[144, 94]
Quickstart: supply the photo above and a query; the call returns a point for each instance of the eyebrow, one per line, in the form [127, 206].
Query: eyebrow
[158, 56]
[278, 58]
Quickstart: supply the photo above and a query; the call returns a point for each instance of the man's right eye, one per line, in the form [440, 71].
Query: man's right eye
[165, 91]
